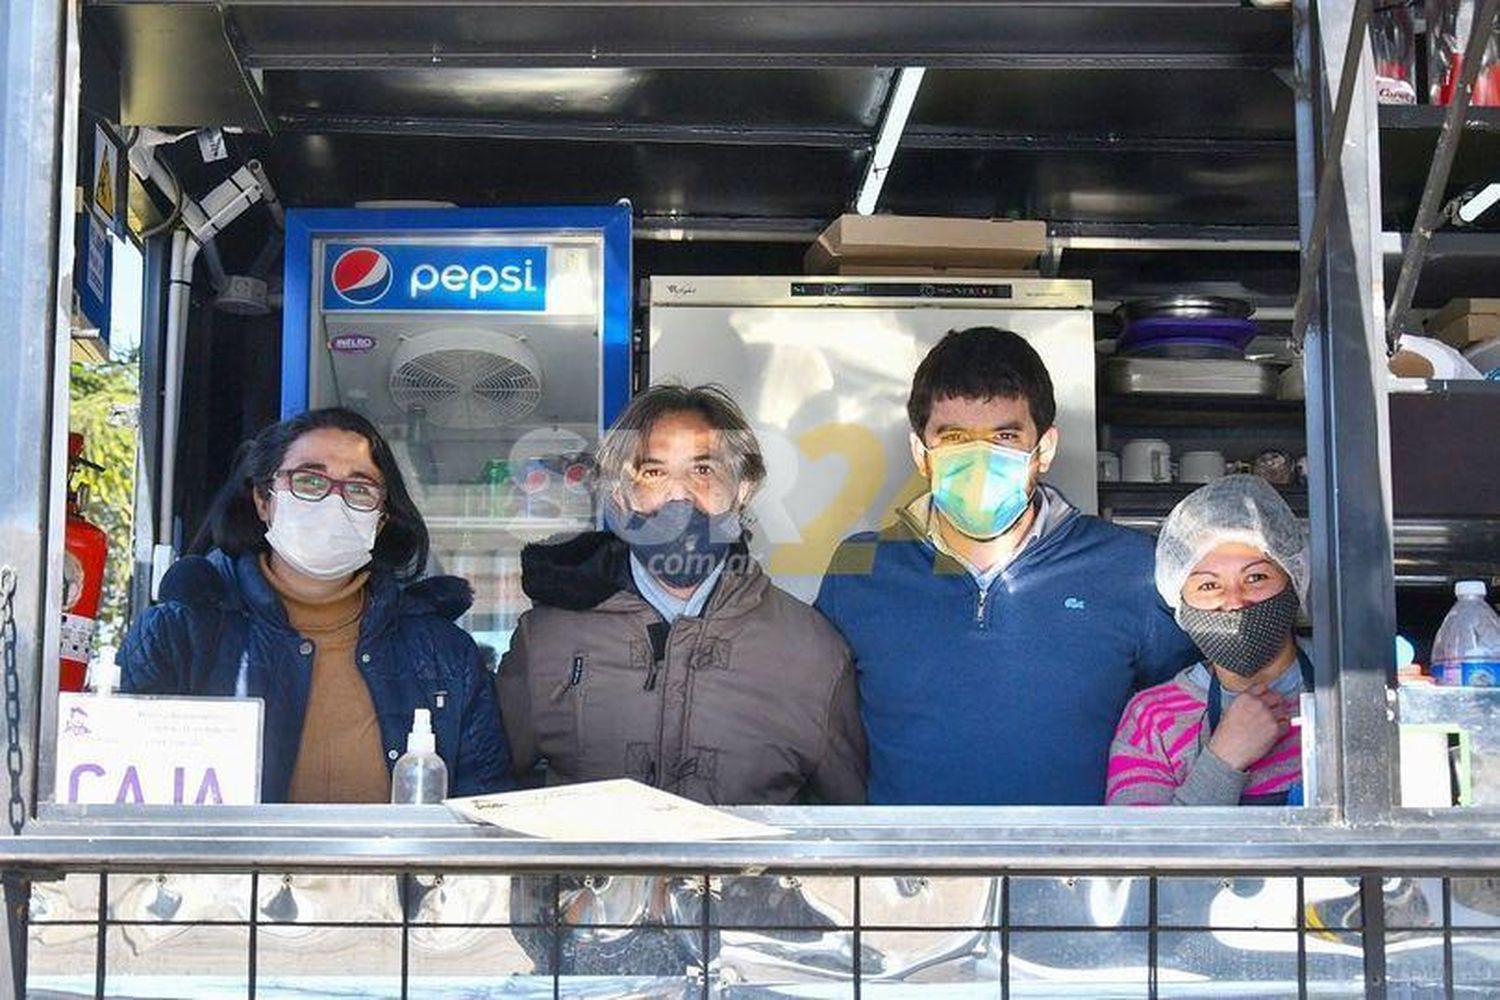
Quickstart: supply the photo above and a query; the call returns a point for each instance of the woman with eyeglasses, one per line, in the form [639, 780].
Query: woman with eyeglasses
[309, 598]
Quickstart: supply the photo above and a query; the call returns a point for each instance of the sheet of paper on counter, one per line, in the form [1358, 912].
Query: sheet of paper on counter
[613, 811]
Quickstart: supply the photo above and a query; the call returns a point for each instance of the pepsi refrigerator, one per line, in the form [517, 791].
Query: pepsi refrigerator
[489, 346]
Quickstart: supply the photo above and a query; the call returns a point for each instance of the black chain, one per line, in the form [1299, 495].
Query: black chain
[13, 759]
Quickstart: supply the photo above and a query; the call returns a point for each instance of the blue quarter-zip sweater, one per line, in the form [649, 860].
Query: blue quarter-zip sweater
[221, 630]
[1007, 696]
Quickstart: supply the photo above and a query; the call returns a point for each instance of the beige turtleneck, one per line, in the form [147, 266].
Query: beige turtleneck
[340, 758]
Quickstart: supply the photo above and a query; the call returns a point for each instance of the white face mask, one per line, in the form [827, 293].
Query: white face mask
[324, 539]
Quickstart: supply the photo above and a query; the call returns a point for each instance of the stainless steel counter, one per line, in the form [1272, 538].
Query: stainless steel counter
[956, 839]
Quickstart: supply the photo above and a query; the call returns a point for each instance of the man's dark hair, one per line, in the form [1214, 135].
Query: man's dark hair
[982, 362]
[625, 442]
[234, 527]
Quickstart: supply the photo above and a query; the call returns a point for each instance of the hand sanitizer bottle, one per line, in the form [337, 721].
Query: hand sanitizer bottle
[104, 675]
[420, 775]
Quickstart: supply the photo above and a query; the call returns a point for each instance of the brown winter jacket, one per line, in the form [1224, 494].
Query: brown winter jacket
[754, 702]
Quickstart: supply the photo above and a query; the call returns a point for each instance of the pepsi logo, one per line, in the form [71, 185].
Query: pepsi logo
[362, 276]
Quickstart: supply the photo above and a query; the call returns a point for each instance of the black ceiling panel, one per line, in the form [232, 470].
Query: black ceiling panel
[1068, 185]
[321, 170]
[1163, 34]
[1172, 113]
[1246, 105]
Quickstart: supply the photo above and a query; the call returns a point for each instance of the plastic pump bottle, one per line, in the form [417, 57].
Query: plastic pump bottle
[104, 675]
[1467, 648]
[420, 775]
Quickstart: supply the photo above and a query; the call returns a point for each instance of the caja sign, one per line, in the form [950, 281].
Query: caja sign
[368, 277]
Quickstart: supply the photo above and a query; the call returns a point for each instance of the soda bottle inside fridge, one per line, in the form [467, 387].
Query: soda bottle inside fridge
[1393, 39]
[1449, 23]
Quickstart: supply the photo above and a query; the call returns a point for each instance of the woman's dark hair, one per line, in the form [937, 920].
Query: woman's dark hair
[982, 362]
[234, 526]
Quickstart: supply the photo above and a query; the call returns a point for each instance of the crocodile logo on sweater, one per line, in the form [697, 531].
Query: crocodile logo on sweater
[1074, 604]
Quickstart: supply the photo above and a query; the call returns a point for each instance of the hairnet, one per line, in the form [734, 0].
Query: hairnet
[1240, 508]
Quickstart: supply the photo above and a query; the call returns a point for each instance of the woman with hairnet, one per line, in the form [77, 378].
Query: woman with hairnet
[1232, 561]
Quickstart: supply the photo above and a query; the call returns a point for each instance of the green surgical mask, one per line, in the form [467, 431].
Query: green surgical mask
[982, 488]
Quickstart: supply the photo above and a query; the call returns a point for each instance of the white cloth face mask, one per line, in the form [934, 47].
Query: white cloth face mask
[323, 539]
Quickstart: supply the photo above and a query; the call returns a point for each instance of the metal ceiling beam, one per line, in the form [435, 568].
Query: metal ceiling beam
[557, 130]
[714, 134]
[842, 5]
[1106, 142]
[678, 58]
[1065, 236]
[1074, 36]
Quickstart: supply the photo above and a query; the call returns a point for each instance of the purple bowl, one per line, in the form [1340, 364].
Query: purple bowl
[1186, 336]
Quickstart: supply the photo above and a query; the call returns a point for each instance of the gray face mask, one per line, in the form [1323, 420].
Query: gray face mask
[1245, 640]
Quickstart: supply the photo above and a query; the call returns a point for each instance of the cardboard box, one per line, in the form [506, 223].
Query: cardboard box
[1467, 329]
[1463, 307]
[1463, 321]
[906, 241]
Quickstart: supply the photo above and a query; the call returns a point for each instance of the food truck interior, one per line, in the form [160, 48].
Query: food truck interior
[1172, 152]
[1159, 150]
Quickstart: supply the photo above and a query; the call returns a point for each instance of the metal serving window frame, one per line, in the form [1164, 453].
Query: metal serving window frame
[1355, 822]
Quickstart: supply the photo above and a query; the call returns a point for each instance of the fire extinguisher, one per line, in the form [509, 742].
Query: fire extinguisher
[83, 577]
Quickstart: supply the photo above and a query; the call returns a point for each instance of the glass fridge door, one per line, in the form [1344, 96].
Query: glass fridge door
[491, 401]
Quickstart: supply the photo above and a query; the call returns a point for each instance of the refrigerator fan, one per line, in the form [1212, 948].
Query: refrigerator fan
[467, 379]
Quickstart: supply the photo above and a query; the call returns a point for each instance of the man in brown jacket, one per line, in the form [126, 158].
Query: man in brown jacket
[659, 650]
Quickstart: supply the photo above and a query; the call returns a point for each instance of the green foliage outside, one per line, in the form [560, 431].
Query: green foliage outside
[105, 401]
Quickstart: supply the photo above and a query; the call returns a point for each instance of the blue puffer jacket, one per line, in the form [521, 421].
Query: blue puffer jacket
[221, 630]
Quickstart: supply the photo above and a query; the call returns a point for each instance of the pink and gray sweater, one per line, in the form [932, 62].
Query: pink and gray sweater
[1160, 755]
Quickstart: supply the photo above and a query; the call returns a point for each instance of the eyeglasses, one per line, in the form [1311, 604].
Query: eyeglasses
[358, 494]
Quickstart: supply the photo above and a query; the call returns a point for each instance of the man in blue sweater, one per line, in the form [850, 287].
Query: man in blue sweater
[997, 631]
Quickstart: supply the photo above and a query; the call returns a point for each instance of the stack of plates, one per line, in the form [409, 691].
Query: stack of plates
[1185, 326]
[1191, 376]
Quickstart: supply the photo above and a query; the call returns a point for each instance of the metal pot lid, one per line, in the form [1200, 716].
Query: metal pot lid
[1184, 307]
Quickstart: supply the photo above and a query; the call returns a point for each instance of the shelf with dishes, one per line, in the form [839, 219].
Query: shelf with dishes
[1199, 410]
[1117, 498]
[1182, 361]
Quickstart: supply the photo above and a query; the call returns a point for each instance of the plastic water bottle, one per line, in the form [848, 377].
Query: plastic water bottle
[420, 775]
[1467, 648]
